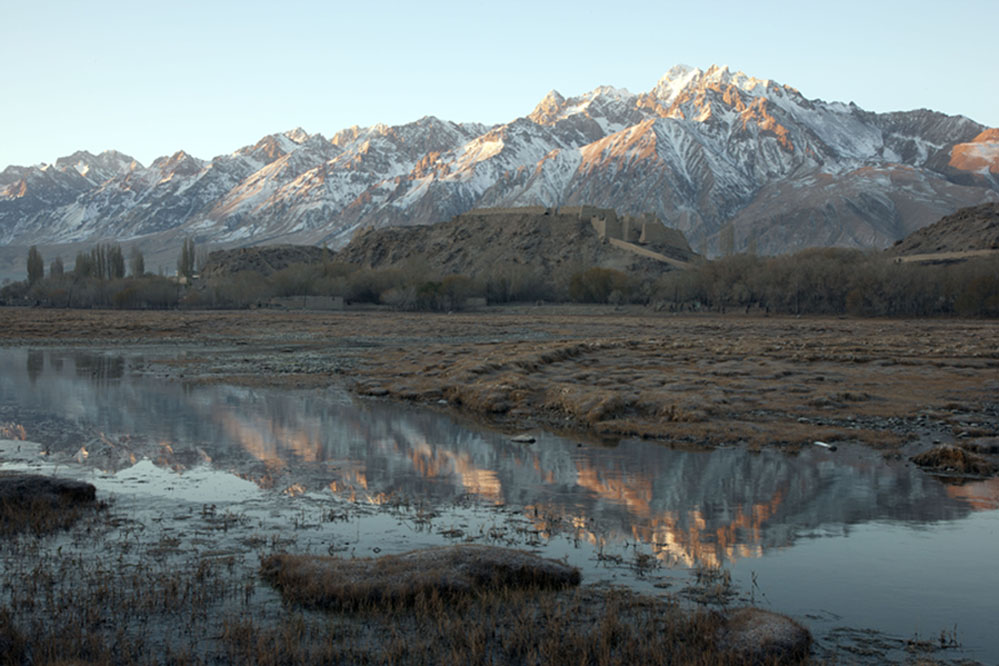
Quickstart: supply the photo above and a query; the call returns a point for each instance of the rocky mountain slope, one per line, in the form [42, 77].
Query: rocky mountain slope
[973, 230]
[701, 150]
[262, 259]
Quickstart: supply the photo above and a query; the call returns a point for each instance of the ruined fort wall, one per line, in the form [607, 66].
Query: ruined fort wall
[523, 210]
[644, 229]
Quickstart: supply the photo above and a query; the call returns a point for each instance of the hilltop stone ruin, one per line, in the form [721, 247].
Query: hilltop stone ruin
[644, 229]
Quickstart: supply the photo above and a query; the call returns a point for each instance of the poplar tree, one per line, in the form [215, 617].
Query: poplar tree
[36, 265]
[185, 264]
[116, 262]
[137, 262]
[83, 267]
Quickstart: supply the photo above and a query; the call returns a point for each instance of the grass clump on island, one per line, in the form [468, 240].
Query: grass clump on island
[946, 459]
[41, 504]
[445, 572]
[484, 604]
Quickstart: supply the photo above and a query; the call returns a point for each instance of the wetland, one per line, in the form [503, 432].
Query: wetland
[673, 462]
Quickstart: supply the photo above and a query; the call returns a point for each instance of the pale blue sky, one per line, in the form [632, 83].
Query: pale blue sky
[211, 76]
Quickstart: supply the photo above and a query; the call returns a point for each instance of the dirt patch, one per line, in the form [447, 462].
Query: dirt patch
[449, 571]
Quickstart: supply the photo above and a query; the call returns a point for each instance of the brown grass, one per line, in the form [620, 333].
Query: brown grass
[510, 626]
[41, 504]
[481, 604]
[448, 571]
[954, 460]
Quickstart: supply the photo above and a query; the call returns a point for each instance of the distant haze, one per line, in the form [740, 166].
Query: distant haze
[151, 79]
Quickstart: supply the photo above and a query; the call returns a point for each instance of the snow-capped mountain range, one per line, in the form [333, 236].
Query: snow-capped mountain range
[701, 149]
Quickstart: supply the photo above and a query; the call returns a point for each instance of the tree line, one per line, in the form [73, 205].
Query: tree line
[98, 279]
[835, 281]
[816, 281]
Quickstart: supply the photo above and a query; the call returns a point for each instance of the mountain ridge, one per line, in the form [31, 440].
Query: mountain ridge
[701, 150]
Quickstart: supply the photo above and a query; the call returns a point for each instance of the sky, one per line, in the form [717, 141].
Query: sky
[210, 76]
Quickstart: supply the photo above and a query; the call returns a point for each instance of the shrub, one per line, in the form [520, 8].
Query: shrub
[595, 285]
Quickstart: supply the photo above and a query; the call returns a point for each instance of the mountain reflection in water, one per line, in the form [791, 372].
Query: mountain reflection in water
[691, 508]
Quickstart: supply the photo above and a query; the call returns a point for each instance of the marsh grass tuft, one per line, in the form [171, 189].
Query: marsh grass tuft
[445, 572]
[495, 626]
[954, 460]
[41, 504]
[712, 586]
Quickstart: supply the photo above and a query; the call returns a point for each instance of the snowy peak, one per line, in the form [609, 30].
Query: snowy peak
[47, 184]
[345, 136]
[611, 108]
[268, 149]
[298, 135]
[548, 109]
[390, 152]
[98, 168]
[178, 164]
[683, 80]
[275, 146]
[78, 171]
[673, 83]
[690, 93]
[721, 76]
[354, 134]
[80, 160]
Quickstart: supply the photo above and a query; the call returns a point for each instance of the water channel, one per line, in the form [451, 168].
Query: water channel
[843, 538]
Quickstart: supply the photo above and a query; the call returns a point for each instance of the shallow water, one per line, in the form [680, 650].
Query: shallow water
[836, 539]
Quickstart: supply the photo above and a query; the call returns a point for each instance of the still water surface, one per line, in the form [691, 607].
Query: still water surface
[836, 539]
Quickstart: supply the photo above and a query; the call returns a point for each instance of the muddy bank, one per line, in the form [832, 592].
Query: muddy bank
[595, 372]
